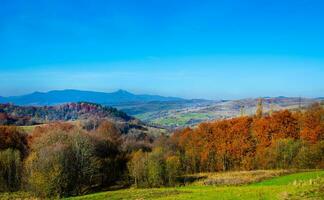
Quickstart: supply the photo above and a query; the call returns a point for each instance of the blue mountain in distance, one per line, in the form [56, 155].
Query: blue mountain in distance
[56, 97]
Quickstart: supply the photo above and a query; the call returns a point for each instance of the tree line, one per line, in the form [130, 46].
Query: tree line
[64, 159]
[276, 140]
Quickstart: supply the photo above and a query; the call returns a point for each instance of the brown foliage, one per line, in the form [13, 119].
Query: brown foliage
[109, 130]
[14, 138]
[313, 124]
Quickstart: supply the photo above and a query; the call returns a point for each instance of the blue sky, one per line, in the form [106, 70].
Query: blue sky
[194, 49]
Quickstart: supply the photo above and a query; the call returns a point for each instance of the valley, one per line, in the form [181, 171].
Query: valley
[164, 112]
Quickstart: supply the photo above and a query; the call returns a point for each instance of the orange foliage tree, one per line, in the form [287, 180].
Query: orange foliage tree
[247, 142]
[313, 124]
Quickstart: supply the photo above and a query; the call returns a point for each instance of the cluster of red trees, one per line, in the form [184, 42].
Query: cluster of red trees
[280, 140]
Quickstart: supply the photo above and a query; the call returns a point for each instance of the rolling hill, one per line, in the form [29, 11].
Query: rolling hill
[193, 114]
[29, 115]
[167, 112]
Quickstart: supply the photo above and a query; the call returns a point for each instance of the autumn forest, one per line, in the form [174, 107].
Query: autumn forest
[61, 159]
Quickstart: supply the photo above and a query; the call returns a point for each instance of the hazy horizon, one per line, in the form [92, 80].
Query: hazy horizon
[117, 90]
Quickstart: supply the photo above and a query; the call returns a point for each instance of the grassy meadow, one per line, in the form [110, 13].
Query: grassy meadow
[244, 185]
[301, 185]
[182, 119]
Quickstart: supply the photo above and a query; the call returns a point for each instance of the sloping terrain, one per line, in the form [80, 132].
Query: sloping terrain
[212, 110]
[167, 112]
[28, 115]
[302, 185]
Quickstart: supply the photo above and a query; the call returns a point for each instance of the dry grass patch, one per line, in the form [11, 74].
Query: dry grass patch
[235, 178]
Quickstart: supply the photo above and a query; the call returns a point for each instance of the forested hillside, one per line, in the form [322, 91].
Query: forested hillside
[167, 112]
[66, 159]
[29, 115]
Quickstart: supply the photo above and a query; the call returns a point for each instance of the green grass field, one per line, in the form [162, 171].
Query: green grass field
[29, 129]
[181, 119]
[302, 185]
[297, 186]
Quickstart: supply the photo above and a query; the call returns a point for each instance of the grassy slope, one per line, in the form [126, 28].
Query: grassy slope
[277, 188]
[285, 180]
[29, 129]
[182, 119]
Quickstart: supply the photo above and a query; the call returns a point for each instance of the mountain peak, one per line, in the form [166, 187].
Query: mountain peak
[120, 91]
[36, 92]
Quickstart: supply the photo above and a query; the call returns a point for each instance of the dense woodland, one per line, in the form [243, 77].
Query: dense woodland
[30, 115]
[64, 159]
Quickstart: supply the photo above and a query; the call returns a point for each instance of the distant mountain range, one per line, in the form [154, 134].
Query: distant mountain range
[56, 97]
[158, 110]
